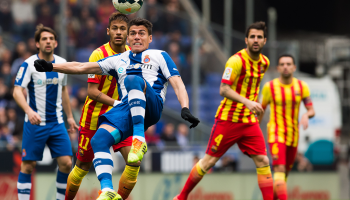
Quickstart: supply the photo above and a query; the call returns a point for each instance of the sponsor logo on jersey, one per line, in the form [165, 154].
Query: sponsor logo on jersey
[120, 70]
[138, 65]
[124, 61]
[39, 82]
[146, 59]
[19, 73]
[227, 74]
[52, 81]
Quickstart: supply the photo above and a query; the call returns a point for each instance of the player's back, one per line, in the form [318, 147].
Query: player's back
[44, 90]
[154, 66]
[107, 85]
[244, 75]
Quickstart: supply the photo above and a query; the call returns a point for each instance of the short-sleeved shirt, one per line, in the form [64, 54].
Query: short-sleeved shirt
[244, 75]
[107, 85]
[44, 90]
[154, 66]
[285, 103]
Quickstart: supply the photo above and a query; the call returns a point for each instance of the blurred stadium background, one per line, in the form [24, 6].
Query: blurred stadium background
[199, 35]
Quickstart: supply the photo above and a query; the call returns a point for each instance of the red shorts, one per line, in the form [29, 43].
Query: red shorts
[283, 154]
[224, 134]
[85, 152]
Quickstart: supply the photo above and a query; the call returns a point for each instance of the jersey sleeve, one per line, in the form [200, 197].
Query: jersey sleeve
[108, 65]
[306, 94]
[64, 81]
[94, 78]
[23, 76]
[232, 70]
[168, 67]
[266, 95]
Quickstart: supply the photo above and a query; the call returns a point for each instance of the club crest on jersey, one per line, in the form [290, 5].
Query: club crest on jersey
[214, 148]
[24, 153]
[146, 59]
[262, 69]
[81, 152]
[297, 92]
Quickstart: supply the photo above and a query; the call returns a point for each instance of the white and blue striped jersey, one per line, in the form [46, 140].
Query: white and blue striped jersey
[154, 66]
[44, 90]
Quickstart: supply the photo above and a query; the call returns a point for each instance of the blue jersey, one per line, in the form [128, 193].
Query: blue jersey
[44, 90]
[154, 66]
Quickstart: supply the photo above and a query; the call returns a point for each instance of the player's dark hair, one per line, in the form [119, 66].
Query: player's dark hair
[41, 28]
[286, 55]
[141, 22]
[117, 16]
[258, 26]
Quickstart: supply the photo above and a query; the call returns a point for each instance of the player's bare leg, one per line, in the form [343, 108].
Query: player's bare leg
[64, 167]
[129, 177]
[196, 175]
[280, 183]
[75, 178]
[264, 175]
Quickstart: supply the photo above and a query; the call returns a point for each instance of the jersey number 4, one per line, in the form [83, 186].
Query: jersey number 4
[218, 139]
[82, 141]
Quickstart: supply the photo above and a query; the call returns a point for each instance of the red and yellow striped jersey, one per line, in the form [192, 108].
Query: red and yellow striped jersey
[244, 75]
[107, 85]
[285, 102]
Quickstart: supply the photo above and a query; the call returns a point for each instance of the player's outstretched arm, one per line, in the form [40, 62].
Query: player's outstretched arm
[68, 67]
[226, 91]
[181, 93]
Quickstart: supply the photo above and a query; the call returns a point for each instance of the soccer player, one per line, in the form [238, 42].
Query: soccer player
[102, 96]
[284, 94]
[236, 120]
[142, 75]
[46, 95]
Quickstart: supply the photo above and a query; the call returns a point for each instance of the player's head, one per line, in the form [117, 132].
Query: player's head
[117, 28]
[286, 65]
[255, 37]
[45, 39]
[139, 34]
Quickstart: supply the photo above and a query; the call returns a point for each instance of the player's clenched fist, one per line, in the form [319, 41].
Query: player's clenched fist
[43, 66]
[34, 117]
[186, 115]
[253, 106]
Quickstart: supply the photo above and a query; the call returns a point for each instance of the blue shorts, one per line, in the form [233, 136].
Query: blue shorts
[35, 137]
[120, 116]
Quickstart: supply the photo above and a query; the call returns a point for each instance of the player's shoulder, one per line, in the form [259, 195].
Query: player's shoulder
[31, 59]
[269, 83]
[234, 59]
[59, 59]
[265, 59]
[154, 52]
[301, 82]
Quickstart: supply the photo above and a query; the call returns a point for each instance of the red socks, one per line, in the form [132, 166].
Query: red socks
[280, 185]
[265, 182]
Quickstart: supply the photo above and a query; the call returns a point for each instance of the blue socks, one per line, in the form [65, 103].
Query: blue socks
[61, 184]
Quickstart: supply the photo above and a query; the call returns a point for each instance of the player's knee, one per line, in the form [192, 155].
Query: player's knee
[279, 168]
[28, 166]
[65, 166]
[207, 164]
[261, 160]
[133, 82]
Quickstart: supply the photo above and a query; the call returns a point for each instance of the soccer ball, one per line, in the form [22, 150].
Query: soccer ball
[127, 6]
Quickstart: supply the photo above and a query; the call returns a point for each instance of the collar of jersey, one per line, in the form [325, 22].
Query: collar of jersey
[37, 55]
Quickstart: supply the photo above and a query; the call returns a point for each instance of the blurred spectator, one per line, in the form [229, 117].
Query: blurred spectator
[3, 117]
[87, 5]
[302, 164]
[171, 21]
[3, 48]
[6, 74]
[5, 97]
[104, 10]
[39, 6]
[6, 21]
[31, 46]
[20, 49]
[74, 104]
[81, 96]
[181, 136]
[228, 164]
[7, 138]
[178, 57]
[88, 35]
[151, 136]
[6, 57]
[15, 124]
[24, 17]
[46, 18]
[18, 62]
[168, 135]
